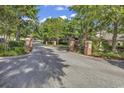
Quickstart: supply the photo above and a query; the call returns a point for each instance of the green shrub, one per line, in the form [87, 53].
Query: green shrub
[106, 45]
[109, 55]
[1, 47]
[19, 50]
[96, 44]
[97, 54]
[14, 48]
[8, 53]
[16, 44]
[16, 51]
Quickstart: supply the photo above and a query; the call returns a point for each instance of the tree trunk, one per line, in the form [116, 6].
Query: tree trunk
[5, 42]
[17, 36]
[114, 38]
[84, 38]
[9, 37]
[100, 41]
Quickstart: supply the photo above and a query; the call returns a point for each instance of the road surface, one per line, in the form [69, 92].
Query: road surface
[48, 67]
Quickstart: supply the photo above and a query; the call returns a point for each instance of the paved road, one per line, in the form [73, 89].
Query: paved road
[51, 67]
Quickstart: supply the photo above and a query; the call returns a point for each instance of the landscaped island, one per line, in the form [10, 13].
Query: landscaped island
[14, 48]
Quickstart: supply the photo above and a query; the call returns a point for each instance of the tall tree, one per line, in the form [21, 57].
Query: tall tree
[52, 29]
[11, 19]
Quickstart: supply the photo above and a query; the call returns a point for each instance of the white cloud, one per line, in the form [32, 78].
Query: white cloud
[44, 19]
[68, 5]
[49, 17]
[27, 19]
[72, 15]
[59, 8]
[63, 17]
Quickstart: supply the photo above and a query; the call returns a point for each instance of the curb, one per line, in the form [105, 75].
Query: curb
[94, 58]
[25, 55]
[90, 57]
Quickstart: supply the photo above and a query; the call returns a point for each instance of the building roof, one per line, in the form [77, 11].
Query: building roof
[108, 36]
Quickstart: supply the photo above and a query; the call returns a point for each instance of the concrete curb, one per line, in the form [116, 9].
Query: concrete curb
[100, 59]
[90, 57]
[19, 56]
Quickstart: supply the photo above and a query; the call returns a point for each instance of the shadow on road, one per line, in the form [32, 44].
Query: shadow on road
[118, 63]
[35, 70]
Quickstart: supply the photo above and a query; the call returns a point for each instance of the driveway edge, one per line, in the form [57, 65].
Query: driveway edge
[15, 56]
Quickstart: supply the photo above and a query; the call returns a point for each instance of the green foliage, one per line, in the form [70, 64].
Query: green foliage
[8, 53]
[106, 45]
[19, 50]
[96, 18]
[89, 20]
[95, 45]
[16, 51]
[13, 23]
[16, 44]
[109, 55]
[1, 47]
[51, 29]
[16, 21]
[15, 48]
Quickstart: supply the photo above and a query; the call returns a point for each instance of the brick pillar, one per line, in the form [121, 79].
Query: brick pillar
[54, 43]
[88, 48]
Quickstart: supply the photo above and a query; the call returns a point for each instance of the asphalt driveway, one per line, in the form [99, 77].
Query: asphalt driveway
[50, 67]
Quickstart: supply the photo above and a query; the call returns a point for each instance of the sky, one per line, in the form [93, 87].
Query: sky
[54, 11]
